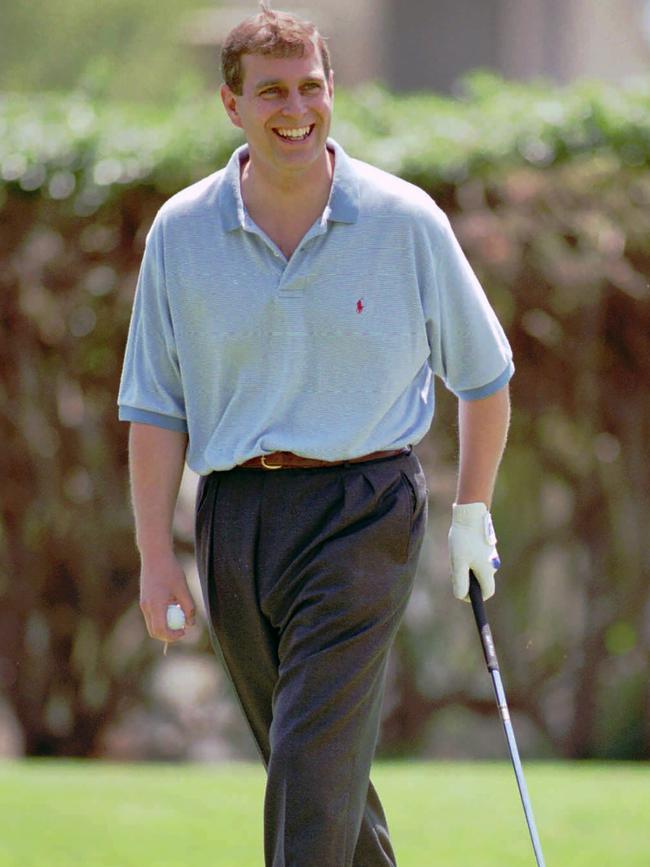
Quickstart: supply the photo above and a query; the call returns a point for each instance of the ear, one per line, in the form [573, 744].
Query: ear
[229, 100]
[330, 83]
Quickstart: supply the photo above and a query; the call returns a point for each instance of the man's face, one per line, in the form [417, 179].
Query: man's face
[285, 108]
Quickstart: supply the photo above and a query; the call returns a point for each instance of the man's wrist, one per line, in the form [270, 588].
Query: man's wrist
[157, 548]
[468, 513]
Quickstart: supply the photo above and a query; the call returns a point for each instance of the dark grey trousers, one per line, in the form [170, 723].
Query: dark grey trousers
[305, 576]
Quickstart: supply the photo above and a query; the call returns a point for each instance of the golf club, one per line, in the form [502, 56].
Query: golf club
[493, 667]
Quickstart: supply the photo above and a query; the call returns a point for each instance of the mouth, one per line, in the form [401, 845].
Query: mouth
[295, 134]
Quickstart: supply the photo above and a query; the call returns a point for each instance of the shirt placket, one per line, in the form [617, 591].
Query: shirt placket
[291, 273]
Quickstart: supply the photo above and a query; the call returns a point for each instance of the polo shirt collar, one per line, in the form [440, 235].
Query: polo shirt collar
[344, 196]
[342, 207]
[231, 203]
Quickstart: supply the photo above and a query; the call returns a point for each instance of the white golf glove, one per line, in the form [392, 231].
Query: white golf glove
[472, 545]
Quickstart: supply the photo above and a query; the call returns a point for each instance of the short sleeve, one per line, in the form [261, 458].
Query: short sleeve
[469, 349]
[151, 389]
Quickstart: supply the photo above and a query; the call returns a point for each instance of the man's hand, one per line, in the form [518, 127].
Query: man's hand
[472, 545]
[163, 582]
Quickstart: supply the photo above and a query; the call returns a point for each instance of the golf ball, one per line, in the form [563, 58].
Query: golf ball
[175, 617]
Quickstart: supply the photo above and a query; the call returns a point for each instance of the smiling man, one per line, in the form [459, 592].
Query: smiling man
[291, 313]
[284, 107]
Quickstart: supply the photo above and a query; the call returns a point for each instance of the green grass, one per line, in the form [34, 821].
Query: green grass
[83, 814]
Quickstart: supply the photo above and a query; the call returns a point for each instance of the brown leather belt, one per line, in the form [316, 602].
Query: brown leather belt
[289, 461]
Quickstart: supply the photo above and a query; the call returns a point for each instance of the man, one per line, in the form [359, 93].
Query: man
[291, 312]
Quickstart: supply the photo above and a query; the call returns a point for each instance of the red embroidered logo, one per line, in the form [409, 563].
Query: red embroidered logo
[360, 307]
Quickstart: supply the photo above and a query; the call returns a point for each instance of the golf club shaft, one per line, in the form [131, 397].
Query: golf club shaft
[493, 666]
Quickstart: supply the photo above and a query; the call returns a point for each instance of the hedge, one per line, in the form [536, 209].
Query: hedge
[549, 192]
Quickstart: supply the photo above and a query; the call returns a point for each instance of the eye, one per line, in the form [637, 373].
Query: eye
[270, 92]
[312, 85]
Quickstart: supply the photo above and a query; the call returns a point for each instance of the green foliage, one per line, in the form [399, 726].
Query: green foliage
[432, 140]
[111, 49]
[549, 192]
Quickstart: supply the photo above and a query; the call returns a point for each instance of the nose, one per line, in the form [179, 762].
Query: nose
[293, 104]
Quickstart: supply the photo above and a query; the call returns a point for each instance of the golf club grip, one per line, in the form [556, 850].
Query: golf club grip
[484, 631]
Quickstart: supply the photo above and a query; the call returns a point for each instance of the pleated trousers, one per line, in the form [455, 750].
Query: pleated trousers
[305, 575]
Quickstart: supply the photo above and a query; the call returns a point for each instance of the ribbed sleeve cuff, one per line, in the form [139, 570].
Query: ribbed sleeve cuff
[490, 388]
[169, 422]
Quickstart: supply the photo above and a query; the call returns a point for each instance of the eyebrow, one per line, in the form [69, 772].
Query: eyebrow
[270, 82]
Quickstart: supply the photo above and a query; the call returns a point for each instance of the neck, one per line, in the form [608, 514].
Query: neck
[264, 187]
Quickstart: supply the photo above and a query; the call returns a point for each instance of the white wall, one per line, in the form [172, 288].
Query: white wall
[569, 39]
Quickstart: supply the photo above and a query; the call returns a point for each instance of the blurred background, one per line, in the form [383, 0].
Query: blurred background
[529, 123]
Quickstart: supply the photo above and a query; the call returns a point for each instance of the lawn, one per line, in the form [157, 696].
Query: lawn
[83, 814]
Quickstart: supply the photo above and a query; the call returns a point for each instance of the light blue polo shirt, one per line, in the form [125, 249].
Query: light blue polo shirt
[330, 354]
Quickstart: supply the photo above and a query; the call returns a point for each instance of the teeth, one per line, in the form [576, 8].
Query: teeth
[294, 133]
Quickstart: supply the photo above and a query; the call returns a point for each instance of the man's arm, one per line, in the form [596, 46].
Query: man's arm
[483, 429]
[156, 460]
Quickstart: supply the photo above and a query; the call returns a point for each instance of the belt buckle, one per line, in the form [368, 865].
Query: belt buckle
[269, 466]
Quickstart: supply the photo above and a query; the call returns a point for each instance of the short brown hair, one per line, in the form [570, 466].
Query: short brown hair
[278, 34]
